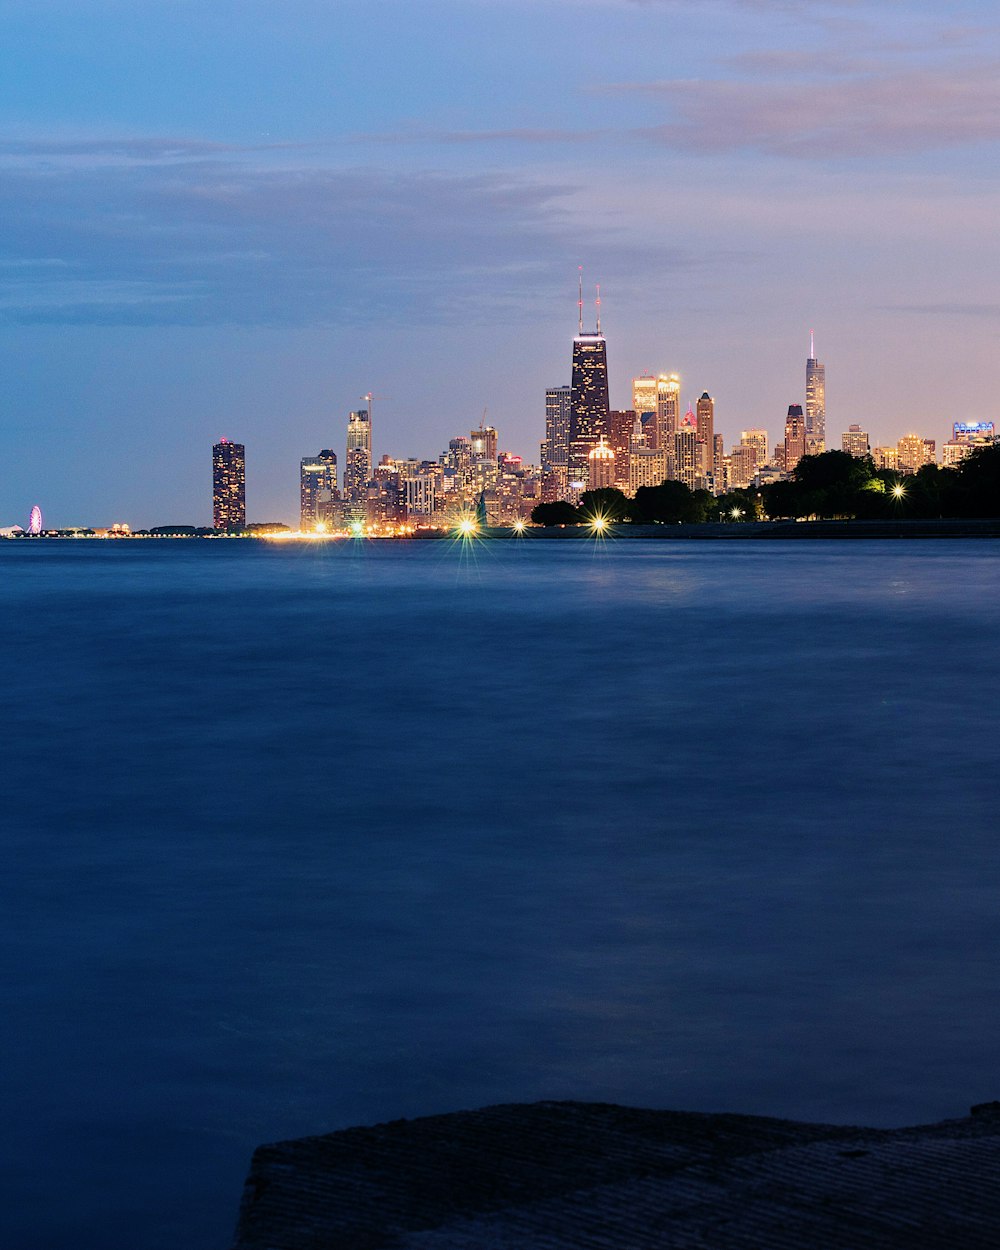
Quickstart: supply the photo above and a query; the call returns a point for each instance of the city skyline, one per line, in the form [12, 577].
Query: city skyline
[224, 222]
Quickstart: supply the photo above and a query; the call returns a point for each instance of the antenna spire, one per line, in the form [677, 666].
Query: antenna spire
[812, 346]
[579, 301]
[598, 308]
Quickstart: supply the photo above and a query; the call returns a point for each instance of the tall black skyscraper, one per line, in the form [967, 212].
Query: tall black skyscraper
[229, 485]
[589, 398]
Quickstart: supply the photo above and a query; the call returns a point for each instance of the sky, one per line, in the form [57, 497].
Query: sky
[235, 219]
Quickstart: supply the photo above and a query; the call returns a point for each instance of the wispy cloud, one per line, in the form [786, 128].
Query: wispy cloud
[216, 235]
[850, 113]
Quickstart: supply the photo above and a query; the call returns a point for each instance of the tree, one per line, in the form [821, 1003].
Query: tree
[738, 505]
[977, 489]
[558, 513]
[666, 504]
[607, 503]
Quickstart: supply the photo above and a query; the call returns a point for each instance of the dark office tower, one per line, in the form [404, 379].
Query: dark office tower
[229, 478]
[815, 401]
[705, 422]
[358, 469]
[795, 437]
[589, 399]
[317, 490]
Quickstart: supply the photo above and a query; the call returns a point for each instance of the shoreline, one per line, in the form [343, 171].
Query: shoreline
[717, 531]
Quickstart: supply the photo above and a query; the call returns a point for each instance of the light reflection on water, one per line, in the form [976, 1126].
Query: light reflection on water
[305, 836]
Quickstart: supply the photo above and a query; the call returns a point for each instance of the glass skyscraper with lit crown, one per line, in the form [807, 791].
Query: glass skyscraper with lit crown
[358, 467]
[589, 404]
[815, 402]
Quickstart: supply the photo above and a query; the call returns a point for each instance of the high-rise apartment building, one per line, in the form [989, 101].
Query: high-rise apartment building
[358, 468]
[815, 402]
[484, 443]
[589, 404]
[687, 456]
[668, 410]
[647, 466]
[718, 464]
[854, 441]
[317, 490]
[742, 466]
[705, 423]
[555, 449]
[229, 485]
[795, 437]
[757, 439]
[913, 452]
[621, 422]
[644, 396]
[601, 466]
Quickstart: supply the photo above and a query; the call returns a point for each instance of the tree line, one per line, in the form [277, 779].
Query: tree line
[830, 486]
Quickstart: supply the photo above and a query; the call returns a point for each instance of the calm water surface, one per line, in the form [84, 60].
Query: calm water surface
[299, 837]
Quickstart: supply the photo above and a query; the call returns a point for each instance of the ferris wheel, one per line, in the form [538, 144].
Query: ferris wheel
[35, 520]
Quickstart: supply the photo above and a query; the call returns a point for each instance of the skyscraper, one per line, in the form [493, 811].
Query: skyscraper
[815, 401]
[317, 489]
[854, 441]
[795, 437]
[668, 410]
[229, 485]
[622, 424]
[644, 395]
[705, 420]
[589, 398]
[757, 439]
[601, 469]
[484, 443]
[358, 469]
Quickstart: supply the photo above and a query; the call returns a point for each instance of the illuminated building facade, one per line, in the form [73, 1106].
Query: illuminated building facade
[668, 410]
[854, 441]
[966, 436]
[555, 449]
[644, 396]
[973, 432]
[317, 490]
[687, 457]
[795, 437]
[229, 485]
[885, 457]
[647, 466]
[742, 466]
[358, 468]
[589, 404]
[601, 469]
[705, 424]
[757, 439]
[484, 443]
[913, 452]
[622, 425]
[815, 402]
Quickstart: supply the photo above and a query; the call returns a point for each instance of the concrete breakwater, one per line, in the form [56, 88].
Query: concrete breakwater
[564, 1175]
[732, 530]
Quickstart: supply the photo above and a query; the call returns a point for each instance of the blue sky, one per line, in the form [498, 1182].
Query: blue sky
[234, 219]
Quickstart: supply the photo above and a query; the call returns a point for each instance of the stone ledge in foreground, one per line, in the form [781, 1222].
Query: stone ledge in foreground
[569, 1176]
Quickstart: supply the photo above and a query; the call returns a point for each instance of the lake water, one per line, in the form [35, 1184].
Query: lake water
[297, 837]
